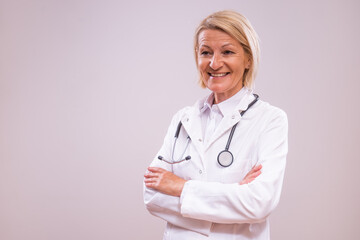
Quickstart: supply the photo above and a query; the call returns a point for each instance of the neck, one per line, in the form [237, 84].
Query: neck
[220, 97]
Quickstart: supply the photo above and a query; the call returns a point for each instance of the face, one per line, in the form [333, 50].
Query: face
[221, 62]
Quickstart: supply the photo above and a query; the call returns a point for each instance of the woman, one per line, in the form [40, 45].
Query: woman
[207, 183]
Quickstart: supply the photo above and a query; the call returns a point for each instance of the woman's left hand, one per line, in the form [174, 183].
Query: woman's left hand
[254, 173]
[164, 181]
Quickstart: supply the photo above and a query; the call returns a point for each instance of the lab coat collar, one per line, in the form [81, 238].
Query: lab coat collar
[191, 122]
[206, 103]
[247, 98]
[226, 107]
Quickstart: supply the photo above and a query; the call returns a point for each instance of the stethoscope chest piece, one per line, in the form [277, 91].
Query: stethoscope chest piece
[225, 158]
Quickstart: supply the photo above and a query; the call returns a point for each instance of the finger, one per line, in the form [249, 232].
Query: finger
[256, 168]
[151, 185]
[253, 170]
[247, 181]
[243, 182]
[151, 175]
[250, 178]
[254, 175]
[150, 180]
[156, 169]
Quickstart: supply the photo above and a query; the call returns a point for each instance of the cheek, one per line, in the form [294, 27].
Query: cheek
[202, 64]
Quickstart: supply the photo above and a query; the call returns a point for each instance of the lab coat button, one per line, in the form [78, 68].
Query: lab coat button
[185, 119]
[200, 140]
[233, 117]
[200, 171]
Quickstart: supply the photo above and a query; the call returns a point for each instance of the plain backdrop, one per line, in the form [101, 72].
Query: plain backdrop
[88, 88]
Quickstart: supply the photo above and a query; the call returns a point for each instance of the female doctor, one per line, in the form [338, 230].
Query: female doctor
[219, 172]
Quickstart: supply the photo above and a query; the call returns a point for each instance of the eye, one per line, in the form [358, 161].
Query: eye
[204, 53]
[228, 52]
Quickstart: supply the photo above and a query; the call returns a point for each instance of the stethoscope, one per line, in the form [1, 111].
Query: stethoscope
[225, 158]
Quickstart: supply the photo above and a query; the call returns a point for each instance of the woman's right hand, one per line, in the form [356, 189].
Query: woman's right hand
[164, 181]
[254, 173]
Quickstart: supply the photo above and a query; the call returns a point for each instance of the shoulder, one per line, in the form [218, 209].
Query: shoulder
[271, 117]
[189, 110]
[182, 112]
[271, 110]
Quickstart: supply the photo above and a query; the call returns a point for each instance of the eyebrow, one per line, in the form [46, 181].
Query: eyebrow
[225, 45]
[203, 45]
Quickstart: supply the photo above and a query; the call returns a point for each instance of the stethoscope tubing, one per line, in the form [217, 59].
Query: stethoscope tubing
[234, 127]
[186, 146]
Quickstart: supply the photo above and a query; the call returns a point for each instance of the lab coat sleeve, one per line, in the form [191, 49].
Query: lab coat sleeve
[165, 206]
[248, 203]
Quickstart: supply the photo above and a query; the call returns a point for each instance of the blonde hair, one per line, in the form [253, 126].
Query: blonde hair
[238, 27]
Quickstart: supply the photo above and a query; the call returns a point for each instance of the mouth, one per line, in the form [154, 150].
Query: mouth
[218, 74]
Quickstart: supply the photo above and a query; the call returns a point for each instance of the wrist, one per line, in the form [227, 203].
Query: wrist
[180, 187]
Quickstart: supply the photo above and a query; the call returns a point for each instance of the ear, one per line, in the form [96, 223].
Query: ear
[248, 63]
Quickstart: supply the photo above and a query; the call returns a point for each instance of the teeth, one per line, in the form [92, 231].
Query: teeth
[218, 74]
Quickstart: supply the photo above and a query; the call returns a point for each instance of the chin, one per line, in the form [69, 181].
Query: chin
[216, 88]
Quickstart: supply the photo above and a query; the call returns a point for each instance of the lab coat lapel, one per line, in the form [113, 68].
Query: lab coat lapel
[230, 120]
[191, 121]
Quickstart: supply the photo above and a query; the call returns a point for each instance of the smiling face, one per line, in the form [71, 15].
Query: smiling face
[221, 61]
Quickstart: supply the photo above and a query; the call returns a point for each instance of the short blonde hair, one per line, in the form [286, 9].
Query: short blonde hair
[238, 27]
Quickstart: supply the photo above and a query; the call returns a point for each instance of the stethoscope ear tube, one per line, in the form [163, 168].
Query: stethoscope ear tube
[250, 105]
[178, 130]
[161, 158]
[230, 136]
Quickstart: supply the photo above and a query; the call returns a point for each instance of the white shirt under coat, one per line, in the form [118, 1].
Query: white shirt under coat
[213, 205]
[212, 114]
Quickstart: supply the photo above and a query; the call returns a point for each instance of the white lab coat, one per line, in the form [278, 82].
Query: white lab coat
[213, 205]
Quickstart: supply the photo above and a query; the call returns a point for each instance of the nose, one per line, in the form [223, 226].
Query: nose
[216, 62]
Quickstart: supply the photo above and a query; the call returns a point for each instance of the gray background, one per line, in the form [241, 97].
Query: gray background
[87, 90]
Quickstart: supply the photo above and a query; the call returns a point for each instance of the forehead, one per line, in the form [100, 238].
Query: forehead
[214, 37]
